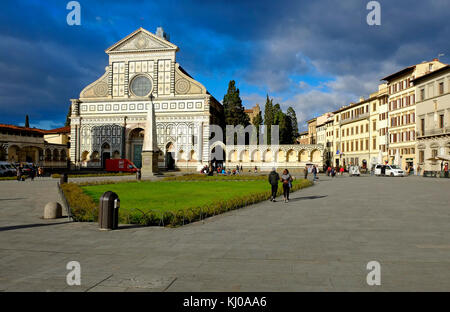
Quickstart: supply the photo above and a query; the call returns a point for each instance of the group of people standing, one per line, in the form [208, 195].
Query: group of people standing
[332, 171]
[222, 170]
[285, 179]
[312, 169]
[31, 172]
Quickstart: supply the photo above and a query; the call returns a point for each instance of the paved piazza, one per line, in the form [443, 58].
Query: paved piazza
[321, 240]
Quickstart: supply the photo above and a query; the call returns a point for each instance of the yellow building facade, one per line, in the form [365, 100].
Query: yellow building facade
[355, 133]
[402, 112]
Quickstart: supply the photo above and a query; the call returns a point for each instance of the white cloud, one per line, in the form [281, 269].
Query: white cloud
[314, 103]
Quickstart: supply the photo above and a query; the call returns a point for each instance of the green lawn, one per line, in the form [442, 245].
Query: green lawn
[175, 195]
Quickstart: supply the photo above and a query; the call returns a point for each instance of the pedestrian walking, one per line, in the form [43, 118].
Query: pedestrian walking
[306, 172]
[32, 172]
[341, 171]
[446, 170]
[286, 180]
[19, 173]
[273, 180]
[314, 172]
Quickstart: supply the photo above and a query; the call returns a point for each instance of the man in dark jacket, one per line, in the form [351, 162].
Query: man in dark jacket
[273, 180]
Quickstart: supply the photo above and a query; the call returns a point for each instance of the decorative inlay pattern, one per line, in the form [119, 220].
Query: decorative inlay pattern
[182, 86]
[141, 42]
[101, 89]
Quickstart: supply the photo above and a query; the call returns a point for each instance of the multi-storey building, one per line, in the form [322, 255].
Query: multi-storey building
[383, 122]
[312, 132]
[253, 112]
[401, 111]
[46, 148]
[324, 131]
[355, 133]
[433, 118]
[303, 138]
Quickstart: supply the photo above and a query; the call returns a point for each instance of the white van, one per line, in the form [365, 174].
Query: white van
[354, 171]
[389, 170]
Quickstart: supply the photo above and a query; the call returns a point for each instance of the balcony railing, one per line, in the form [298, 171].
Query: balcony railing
[431, 132]
[355, 118]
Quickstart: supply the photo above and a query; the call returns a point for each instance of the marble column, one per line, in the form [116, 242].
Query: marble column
[150, 148]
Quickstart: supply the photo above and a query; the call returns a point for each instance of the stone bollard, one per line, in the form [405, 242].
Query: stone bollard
[63, 179]
[52, 210]
[138, 175]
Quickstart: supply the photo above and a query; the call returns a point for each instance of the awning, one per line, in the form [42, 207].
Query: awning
[440, 157]
[443, 157]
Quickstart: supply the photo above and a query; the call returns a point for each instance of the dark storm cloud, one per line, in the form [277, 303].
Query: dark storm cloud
[266, 45]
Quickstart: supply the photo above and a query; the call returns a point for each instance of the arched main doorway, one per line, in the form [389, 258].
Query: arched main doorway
[106, 153]
[136, 140]
[169, 159]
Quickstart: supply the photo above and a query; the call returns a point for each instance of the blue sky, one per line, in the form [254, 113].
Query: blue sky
[312, 55]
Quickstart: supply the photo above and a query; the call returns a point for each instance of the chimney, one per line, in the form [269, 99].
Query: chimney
[435, 60]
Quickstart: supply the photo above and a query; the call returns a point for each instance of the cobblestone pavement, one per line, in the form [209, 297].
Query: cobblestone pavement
[321, 240]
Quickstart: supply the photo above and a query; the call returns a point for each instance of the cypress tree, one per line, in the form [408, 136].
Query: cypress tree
[277, 114]
[257, 121]
[233, 110]
[291, 113]
[285, 129]
[268, 117]
[27, 121]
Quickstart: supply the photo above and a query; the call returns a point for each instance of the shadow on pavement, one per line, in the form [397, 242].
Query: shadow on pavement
[25, 226]
[1, 199]
[307, 197]
[130, 226]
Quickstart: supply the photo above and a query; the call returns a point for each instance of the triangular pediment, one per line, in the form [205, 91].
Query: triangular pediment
[141, 41]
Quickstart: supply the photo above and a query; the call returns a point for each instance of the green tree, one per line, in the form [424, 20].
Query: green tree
[268, 117]
[69, 113]
[284, 124]
[27, 121]
[293, 116]
[233, 109]
[277, 114]
[285, 129]
[257, 121]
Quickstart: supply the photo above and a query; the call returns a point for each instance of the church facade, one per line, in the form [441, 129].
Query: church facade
[109, 118]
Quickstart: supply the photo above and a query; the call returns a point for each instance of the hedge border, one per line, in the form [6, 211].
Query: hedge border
[88, 175]
[84, 209]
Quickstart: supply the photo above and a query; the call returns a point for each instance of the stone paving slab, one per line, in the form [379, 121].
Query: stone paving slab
[321, 240]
